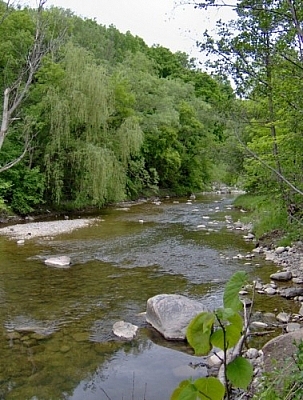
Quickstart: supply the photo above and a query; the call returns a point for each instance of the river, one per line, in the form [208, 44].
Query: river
[56, 324]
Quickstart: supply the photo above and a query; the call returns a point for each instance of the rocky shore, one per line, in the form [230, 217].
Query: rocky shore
[46, 229]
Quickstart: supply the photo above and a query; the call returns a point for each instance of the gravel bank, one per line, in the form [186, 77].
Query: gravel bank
[32, 230]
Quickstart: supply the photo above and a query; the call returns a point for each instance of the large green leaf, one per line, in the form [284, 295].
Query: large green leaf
[231, 292]
[199, 331]
[239, 372]
[232, 336]
[185, 391]
[210, 388]
[229, 315]
[237, 321]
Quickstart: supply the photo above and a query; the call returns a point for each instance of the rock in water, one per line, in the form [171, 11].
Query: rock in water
[125, 330]
[170, 314]
[59, 262]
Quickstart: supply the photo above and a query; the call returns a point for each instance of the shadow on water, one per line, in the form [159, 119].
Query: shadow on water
[56, 325]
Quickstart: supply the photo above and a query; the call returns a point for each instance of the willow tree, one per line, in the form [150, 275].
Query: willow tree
[85, 157]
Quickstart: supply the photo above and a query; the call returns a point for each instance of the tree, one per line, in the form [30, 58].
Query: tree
[27, 35]
[261, 50]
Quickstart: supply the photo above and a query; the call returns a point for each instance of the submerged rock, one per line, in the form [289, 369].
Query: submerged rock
[59, 262]
[170, 314]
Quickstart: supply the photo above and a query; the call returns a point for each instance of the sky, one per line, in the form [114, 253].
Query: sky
[155, 21]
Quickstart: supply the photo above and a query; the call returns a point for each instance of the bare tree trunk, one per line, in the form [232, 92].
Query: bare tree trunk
[16, 93]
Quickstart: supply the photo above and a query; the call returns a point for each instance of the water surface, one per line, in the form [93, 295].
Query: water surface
[56, 324]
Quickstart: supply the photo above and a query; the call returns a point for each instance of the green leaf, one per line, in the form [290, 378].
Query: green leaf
[231, 292]
[223, 314]
[237, 321]
[185, 391]
[233, 325]
[239, 372]
[199, 331]
[210, 388]
[232, 336]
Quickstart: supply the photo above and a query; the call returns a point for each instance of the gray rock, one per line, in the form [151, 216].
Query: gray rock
[252, 353]
[278, 352]
[269, 255]
[292, 326]
[170, 314]
[292, 292]
[283, 317]
[125, 330]
[280, 249]
[282, 276]
[270, 290]
[59, 262]
[249, 236]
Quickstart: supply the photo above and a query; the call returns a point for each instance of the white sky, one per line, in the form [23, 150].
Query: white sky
[155, 21]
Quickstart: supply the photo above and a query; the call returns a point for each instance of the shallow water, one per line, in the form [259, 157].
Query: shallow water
[56, 325]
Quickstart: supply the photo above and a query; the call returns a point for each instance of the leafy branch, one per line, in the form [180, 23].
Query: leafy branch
[225, 329]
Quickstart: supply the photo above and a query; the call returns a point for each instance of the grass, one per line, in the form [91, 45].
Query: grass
[270, 217]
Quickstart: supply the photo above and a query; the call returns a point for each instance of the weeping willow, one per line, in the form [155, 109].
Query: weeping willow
[106, 185]
[85, 160]
[129, 138]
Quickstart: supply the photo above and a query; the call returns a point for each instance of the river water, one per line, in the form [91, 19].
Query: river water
[56, 324]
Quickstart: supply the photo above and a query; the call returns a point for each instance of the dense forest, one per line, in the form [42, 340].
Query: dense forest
[91, 116]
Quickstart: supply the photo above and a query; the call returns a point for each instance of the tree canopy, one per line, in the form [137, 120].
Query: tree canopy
[104, 116]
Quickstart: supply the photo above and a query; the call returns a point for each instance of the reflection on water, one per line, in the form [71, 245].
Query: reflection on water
[127, 376]
[56, 325]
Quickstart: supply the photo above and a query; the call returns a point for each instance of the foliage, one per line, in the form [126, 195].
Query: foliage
[22, 188]
[261, 50]
[106, 116]
[222, 329]
[269, 215]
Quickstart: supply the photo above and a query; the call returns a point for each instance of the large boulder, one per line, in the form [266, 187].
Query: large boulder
[170, 314]
[278, 352]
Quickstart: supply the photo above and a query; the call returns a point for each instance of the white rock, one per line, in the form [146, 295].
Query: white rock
[252, 353]
[270, 290]
[280, 249]
[259, 324]
[125, 330]
[59, 262]
[215, 360]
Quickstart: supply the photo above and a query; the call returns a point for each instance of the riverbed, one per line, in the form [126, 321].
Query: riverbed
[56, 324]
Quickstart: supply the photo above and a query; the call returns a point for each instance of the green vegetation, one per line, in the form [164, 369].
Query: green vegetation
[224, 329]
[91, 116]
[95, 116]
[270, 218]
